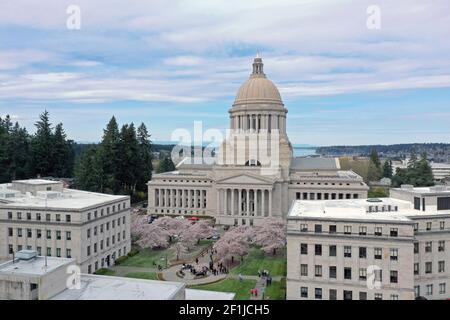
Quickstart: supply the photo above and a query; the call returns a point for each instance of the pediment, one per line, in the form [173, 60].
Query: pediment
[245, 179]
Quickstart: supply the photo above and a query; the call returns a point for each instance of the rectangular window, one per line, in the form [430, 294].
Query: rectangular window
[68, 218]
[442, 225]
[303, 248]
[416, 268]
[348, 295]
[394, 276]
[378, 253]
[416, 203]
[348, 273]
[68, 235]
[58, 235]
[443, 203]
[429, 289]
[28, 215]
[304, 292]
[332, 294]
[441, 246]
[393, 254]
[318, 293]
[68, 253]
[429, 224]
[332, 251]
[318, 249]
[362, 252]
[362, 273]
[378, 296]
[347, 229]
[304, 270]
[416, 247]
[58, 217]
[332, 229]
[88, 251]
[363, 295]
[318, 271]
[428, 246]
[318, 228]
[49, 252]
[394, 232]
[303, 227]
[333, 272]
[10, 232]
[362, 231]
[428, 267]
[49, 234]
[47, 217]
[58, 252]
[10, 215]
[378, 231]
[441, 266]
[441, 288]
[38, 233]
[347, 251]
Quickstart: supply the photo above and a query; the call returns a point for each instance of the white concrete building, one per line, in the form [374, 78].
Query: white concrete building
[32, 277]
[41, 215]
[255, 174]
[337, 249]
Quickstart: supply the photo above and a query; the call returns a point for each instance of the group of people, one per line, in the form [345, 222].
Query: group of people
[266, 276]
[215, 269]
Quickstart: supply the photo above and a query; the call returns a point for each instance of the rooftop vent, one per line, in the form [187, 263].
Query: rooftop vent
[26, 254]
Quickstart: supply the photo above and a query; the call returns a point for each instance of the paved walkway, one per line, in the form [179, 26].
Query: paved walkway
[170, 274]
[122, 271]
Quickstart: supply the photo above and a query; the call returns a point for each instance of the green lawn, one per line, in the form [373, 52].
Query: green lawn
[257, 260]
[105, 272]
[277, 290]
[241, 288]
[142, 275]
[147, 258]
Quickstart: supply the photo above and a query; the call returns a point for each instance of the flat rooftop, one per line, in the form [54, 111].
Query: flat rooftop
[67, 199]
[37, 266]
[194, 294]
[442, 189]
[354, 209]
[97, 287]
[37, 181]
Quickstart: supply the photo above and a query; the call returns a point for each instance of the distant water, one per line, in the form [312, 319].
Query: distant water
[304, 151]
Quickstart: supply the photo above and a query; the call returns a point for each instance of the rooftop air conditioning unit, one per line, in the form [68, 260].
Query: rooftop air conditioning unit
[26, 254]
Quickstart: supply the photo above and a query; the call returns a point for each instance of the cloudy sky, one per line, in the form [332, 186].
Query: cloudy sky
[170, 63]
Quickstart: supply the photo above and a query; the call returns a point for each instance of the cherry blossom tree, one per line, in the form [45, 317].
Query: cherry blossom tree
[174, 227]
[148, 235]
[201, 230]
[271, 235]
[234, 243]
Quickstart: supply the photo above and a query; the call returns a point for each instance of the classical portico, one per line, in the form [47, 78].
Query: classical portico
[244, 188]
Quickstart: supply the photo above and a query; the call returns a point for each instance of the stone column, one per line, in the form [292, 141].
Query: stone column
[263, 202]
[240, 202]
[248, 201]
[270, 203]
[232, 202]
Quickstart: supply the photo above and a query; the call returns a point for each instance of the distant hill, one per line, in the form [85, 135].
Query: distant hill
[439, 152]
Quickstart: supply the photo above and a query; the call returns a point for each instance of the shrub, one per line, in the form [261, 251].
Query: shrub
[121, 259]
[133, 252]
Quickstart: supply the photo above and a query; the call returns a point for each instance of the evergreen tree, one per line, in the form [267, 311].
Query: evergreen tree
[64, 154]
[375, 159]
[42, 151]
[18, 151]
[145, 157]
[89, 171]
[128, 166]
[418, 173]
[166, 165]
[387, 169]
[109, 155]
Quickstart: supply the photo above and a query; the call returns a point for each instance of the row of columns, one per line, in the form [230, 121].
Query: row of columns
[244, 202]
[180, 198]
[325, 196]
[257, 122]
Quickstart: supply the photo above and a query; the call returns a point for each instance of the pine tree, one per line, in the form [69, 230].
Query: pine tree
[42, 151]
[89, 171]
[109, 154]
[18, 150]
[166, 165]
[374, 158]
[63, 151]
[145, 157]
[128, 167]
[387, 169]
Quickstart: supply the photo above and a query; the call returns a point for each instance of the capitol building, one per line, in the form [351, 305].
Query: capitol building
[255, 174]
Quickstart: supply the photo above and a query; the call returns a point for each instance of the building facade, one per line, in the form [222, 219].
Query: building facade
[254, 174]
[390, 248]
[41, 215]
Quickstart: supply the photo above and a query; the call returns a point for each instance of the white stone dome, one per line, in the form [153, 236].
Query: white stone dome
[258, 89]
